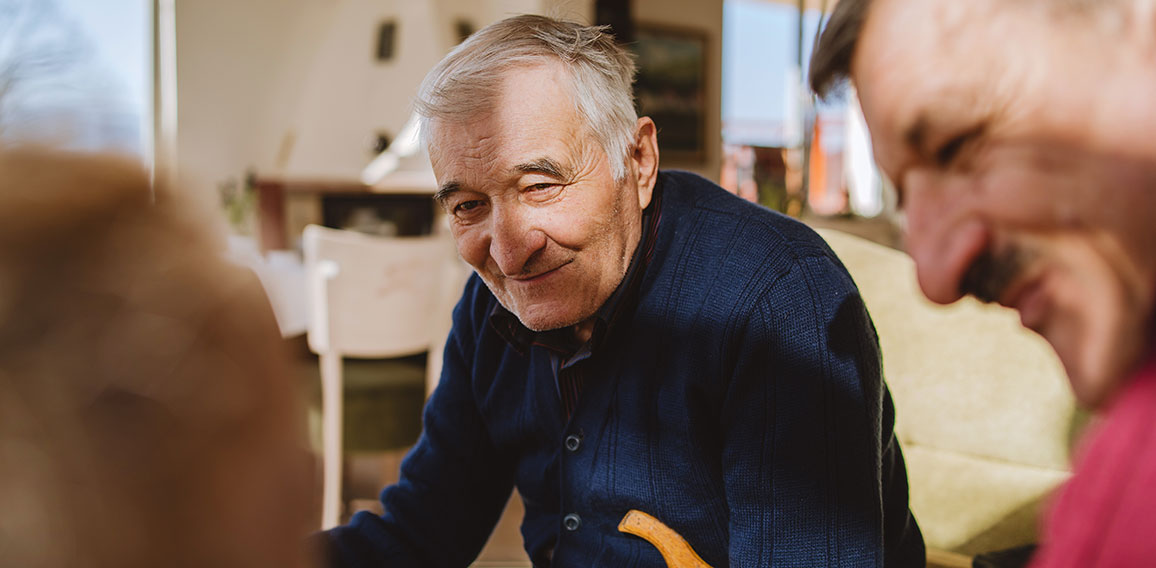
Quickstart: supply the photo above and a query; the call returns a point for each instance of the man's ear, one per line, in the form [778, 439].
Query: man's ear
[644, 157]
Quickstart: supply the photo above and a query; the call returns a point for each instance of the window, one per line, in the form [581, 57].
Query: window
[780, 147]
[77, 74]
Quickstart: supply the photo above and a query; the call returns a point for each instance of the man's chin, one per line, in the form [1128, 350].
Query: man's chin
[547, 323]
[540, 317]
[1091, 392]
[1096, 380]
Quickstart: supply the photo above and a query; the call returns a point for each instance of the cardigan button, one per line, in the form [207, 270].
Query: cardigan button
[573, 442]
[572, 522]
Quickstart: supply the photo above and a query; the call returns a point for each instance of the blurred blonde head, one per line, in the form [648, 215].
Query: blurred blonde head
[146, 415]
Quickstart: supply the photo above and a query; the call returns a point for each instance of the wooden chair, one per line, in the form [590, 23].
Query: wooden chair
[370, 297]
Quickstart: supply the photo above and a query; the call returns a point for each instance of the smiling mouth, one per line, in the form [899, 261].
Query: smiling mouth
[540, 275]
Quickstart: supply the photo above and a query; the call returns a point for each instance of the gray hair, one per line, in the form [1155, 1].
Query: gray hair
[466, 82]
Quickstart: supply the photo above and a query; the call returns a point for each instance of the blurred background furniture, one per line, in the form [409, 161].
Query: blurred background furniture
[285, 206]
[370, 297]
[983, 408]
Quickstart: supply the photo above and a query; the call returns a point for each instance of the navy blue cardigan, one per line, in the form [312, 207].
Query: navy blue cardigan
[740, 402]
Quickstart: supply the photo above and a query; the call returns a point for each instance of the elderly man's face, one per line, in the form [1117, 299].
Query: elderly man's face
[994, 121]
[533, 203]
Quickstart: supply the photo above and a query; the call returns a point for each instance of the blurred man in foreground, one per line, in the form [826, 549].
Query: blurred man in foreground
[632, 339]
[146, 417]
[1019, 136]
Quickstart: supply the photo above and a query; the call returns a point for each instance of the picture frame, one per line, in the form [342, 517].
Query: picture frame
[386, 35]
[670, 88]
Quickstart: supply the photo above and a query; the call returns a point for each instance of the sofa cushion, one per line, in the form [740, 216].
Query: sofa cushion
[972, 505]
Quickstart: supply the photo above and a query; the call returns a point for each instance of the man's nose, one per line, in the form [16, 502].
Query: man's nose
[943, 236]
[514, 239]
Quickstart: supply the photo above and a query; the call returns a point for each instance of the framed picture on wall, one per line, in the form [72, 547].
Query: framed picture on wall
[671, 89]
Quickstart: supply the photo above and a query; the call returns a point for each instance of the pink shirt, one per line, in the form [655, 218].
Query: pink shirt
[1106, 514]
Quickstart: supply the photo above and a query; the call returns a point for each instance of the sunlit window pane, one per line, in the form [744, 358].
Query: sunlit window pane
[76, 73]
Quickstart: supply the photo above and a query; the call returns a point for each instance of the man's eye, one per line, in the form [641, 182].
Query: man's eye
[949, 151]
[960, 146]
[467, 206]
[544, 192]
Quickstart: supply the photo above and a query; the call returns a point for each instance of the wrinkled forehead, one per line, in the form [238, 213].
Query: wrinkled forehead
[503, 89]
[537, 91]
[532, 116]
[926, 30]
[921, 62]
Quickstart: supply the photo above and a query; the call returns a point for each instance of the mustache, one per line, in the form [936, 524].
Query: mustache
[992, 272]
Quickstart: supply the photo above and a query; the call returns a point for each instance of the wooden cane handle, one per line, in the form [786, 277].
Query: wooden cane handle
[674, 549]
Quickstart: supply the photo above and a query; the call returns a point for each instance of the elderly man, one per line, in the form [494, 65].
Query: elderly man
[1019, 136]
[632, 339]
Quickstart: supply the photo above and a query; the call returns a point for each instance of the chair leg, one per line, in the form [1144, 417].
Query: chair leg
[331, 434]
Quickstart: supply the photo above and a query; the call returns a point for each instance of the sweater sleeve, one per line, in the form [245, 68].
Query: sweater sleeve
[453, 483]
[805, 432]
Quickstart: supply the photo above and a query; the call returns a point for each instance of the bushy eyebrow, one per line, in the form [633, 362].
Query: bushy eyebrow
[546, 166]
[916, 134]
[446, 190]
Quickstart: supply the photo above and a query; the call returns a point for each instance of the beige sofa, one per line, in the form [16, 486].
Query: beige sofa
[983, 407]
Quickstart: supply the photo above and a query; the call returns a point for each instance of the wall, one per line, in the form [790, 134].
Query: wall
[290, 88]
[236, 63]
[705, 17]
[349, 96]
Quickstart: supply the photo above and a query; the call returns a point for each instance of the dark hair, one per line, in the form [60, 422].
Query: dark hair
[831, 59]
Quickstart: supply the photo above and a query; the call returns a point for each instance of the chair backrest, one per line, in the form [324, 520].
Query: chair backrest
[372, 296]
